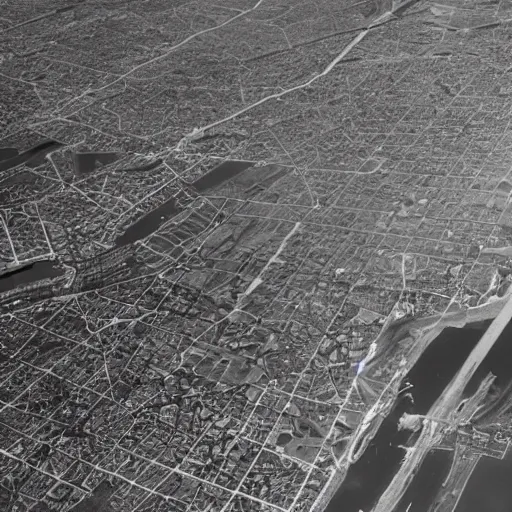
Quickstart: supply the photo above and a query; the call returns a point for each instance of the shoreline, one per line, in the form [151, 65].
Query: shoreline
[422, 331]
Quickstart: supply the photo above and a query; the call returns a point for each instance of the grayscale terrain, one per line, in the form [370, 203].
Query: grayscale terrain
[255, 255]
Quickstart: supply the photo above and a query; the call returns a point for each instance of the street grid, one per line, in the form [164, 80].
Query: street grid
[170, 367]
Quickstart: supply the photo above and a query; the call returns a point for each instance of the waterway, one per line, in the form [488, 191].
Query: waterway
[368, 477]
[488, 488]
[427, 482]
[149, 223]
[28, 274]
[32, 157]
[87, 162]
[223, 172]
[7, 153]
[439, 363]
[498, 362]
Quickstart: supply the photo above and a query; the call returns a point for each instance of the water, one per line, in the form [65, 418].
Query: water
[29, 274]
[367, 479]
[261, 179]
[498, 361]
[427, 482]
[32, 157]
[149, 223]
[439, 363]
[84, 163]
[489, 487]
[223, 172]
[7, 153]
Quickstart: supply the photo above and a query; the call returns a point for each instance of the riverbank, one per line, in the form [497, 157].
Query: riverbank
[420, 333]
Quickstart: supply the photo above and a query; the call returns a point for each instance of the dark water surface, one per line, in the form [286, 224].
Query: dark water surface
[427, 482]
[85, 163]
[367, 479]
[29, 274]
[439, 363]
[149, 223]
[223, 172]
[498, 361]
[32, 157]
[489, 488]
[7, 153]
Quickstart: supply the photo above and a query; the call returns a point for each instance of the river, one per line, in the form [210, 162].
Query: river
[427, 482]
[28, 274]
[368, 477]
[488, 488]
